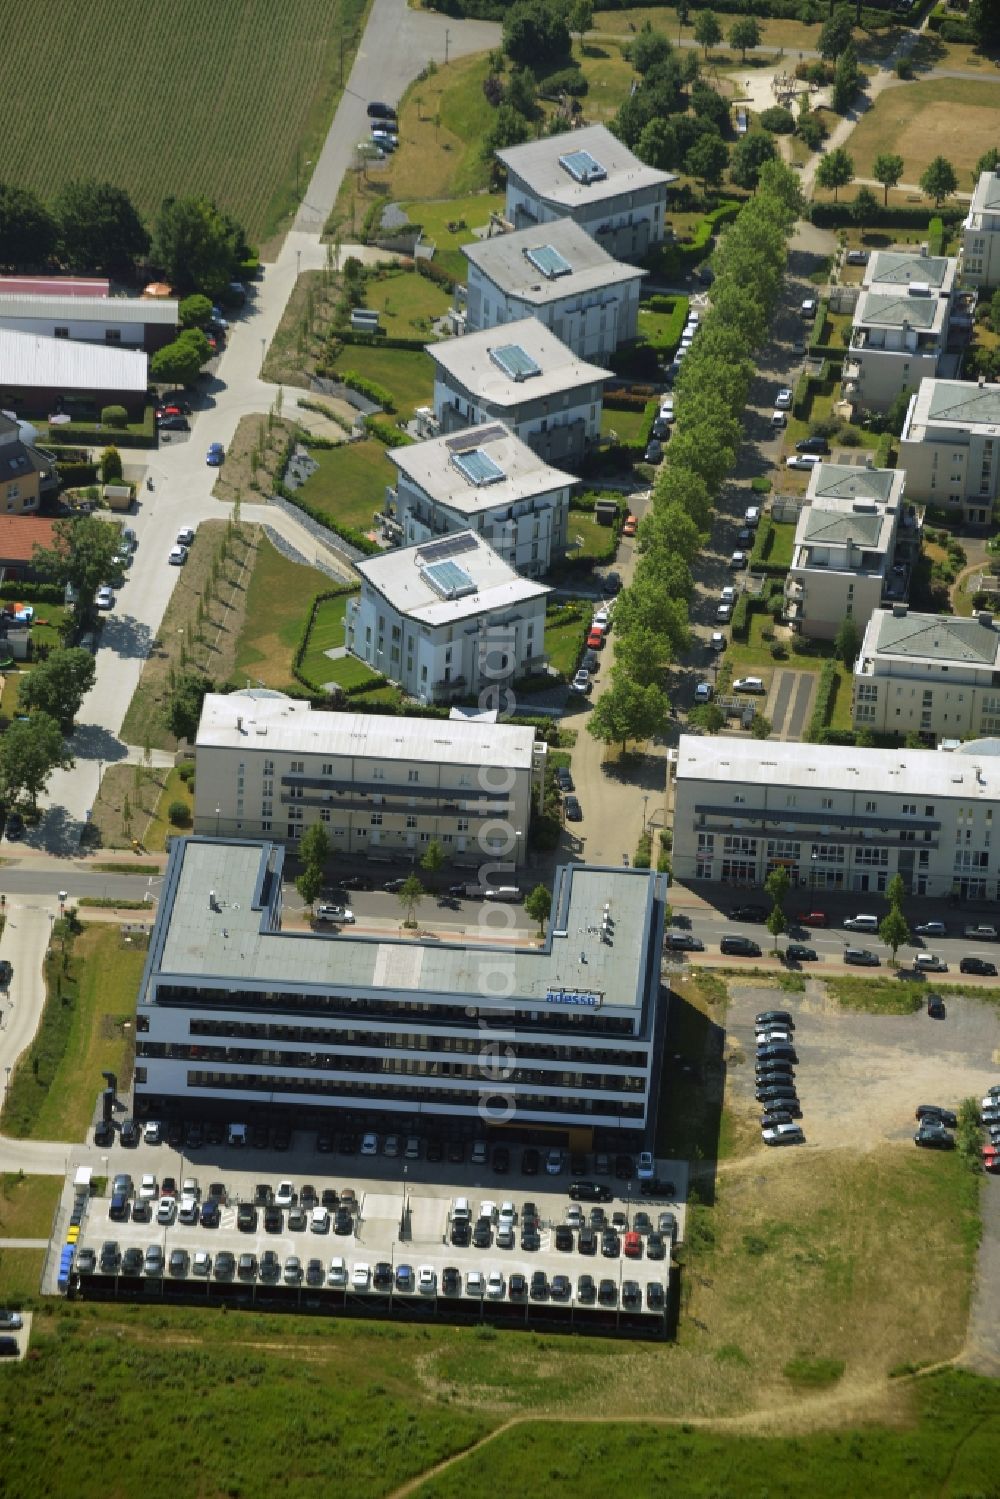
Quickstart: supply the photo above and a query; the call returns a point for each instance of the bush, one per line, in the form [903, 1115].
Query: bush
[186, 772]
[435, 273]
[114, 416]
[823, 706]
[369, 388]
[393, 437]
[73, 475]
[812, 131]
[935, 236]
[760, 486]
[778, 119]
[565, 81]
[111, 465]
[179, 814]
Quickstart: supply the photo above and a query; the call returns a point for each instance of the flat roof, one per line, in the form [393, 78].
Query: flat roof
[286, 725]
[472, 361]
[985, 198]
[954, 403]
[134, 310]
[947, 638]
[33, 361]
[901, 267]
[227, 939]
[520, 265]
[453, 578]
[820, 767]
[454, 470]
[555, 168]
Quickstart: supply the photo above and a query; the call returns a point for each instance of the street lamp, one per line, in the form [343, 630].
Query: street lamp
[218, 812]
[645, 820]
[6, 1082]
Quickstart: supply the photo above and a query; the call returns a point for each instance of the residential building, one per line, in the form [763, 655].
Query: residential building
[937, 675]
[25, 473]
[131, 322]
[560, 276]
[241, 1020]
[270, 766]
[43, 376]
[589, 176]
[19, 535]
[526, 378]
[836, 817]
[950, 448]
[844, 557]
[901, 325]
[980, 256]
[447, 619]
[487, 480]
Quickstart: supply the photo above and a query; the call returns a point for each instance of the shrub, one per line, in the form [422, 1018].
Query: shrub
[812, 131]
[823, 706]
[369, 388]
[935, 236]
[186, 772]
[565, 81]
[114, 416]
[435, 273]
[75, 474]
[760, 485]
[179, 814]
[778, 119]
[111, 465]
[393, 437]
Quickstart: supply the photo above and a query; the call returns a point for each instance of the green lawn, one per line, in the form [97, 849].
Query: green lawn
[328, 630]
[408, 303]
[599, 542]
[349, 484]
[465, 213]
[779, 547]
[279, 594]
[627, 424]
[27, 1205]
[407, 374]
[564, 634]
[246, 90]
[159, 828]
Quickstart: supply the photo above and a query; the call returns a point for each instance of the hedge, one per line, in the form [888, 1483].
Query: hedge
[353, 538]
[950, 27]
[935, 236]
[671, 335]
[883, 452]
[676, 260]
[377, 340]
[650, 414]
[823, 706]
[435, 273]
[369, 388]
[75, 474]
[740, 623]
[565, 81]
[385, 432]
[34, 593]
[839, 216]
[819, 325]
[73, 434]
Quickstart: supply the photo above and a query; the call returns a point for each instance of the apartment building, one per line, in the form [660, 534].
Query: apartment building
[523, 376]
[844, 558]
[238, 1019]
[589, 176]
[937, 675]
[836, 817]
[950, 448]
[560, 276]
[901, 325]
[269, 766]
[487, 480]
[980, 255]
[447, 619]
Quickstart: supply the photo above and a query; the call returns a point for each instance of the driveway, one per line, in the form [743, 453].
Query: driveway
[789, 702]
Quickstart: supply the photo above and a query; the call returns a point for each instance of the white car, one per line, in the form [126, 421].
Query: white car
[188, 1211]
[337, 1274]
[694, 317]
[574, 1215]
[703, 692]
[782, 1134]
[475, 1284]
[553, 1162]
[185, 536]
[667, 409]
[717, 641]
[319, 1223]
[752, 516]
[361, 1277]
[749, 684]
[803, 460]
[343, 914]
[727, 595]
[427, 1280]
[105, 598]
[774, 1037]
[647, 1166]
[148, 1190]
[724, 613]
[783, 400]
[202, 1263]
[166, 1210]
[177, 556]
[808, 309]
[581, 680]
[495, 1286]
[369, 1145]
[738, 560]
[488, 1209]
[285, 1195]
[153, 1132]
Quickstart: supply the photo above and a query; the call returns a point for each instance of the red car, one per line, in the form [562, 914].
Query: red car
[595, 640]
[991, 1158]
[632, 1245]
[631, 526]
[811, 918]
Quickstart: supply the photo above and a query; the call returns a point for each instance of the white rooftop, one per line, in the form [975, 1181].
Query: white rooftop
[456, 577]
[518, 362]
[478, 469]
[285, 725]
[817, 767]
[556, 169]
[136, 310]
[33, 361]
[548, 262]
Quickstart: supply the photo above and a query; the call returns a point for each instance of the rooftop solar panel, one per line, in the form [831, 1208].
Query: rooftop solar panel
[448, 546]
[449, 580]
[582, 167]
[515, 362]
[478, 467]
[548, 260]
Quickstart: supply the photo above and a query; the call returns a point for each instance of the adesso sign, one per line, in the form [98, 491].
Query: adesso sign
[580, 998]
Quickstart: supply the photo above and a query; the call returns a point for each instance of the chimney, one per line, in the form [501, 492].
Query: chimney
[899, 611]
[981, 381]
[985, 618]
[239, 724]
[924, 250]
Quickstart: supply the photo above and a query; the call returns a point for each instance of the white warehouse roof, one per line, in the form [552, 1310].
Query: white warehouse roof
[133, 310]
[32, 361]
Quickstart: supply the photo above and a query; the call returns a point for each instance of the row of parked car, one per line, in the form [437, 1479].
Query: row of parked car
[776, 1060]
[499, 1225]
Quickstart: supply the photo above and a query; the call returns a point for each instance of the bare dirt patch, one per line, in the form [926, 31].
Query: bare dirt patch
[256, 455]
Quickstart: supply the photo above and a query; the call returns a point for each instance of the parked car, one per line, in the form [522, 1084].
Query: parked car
[581, 680]
[981, 933]
[738, 946]
[797, 952]
[862, 957]
[748, 913]
[739, 560]
[934, 1137]
[783, 400]
[574, 812]
[934, 1112]
[981, 966]
[802, 460]
[818, 445]
[216, 455]
[931, 929]
[753, 685]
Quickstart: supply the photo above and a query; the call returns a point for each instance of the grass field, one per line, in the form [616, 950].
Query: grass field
[564, 633]
[472, 211]
[27, 1204]
[948, 117]
[627, 424]
[159, 827]
[349, 484]
[80, 1035]
[222, 103]
[407, 373]
[408, 303]
[623, 22]
[277, 599]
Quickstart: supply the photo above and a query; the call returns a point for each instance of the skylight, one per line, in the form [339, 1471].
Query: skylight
[515, 362]
[548, 260]
[582, 167]
[477, 467]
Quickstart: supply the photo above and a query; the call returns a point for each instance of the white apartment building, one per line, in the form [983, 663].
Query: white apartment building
[560, 276]
[836, 817]
[487, 480]
[270, 766]
[588, 175]
[845, 549]
[980, 257]
[933, 674]
[901, 324]
[447, 619]
[523, 376]
[241, 1021]
[950, 448]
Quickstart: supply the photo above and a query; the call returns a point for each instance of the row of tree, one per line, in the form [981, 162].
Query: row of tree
[94, 227]
[651, 616]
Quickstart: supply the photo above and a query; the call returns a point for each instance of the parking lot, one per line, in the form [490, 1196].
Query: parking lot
[395, 1250]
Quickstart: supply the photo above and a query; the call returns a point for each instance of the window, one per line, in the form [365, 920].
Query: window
[265, 827]
[909, 809]
[871, 806]
[378, 773]
[413, 775]
[296, 791]
[411, 822]
[463, 824]
[826, 803]
[112, 335]
[376, 819]
[324, 814]
[269, 767]
[297, 767]
[328, 769]
[267, 789]
[60, 333]
[867, 692]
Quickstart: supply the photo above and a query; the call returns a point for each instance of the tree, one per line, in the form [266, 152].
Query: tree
[535, 33]
[847, 79]
[184, 708]
[776, 923]
[835, 170]
[939, 180]
[777, 885]
[835, 34]
[895, 891]
[538, 904]
[683, 9]
[657, 145]
[648, 48]
[994, 312]
[709, 717]
[628, 711]
[411, 893]
[748, 156]
[99, 228]
[707, 160]
[30, 750]
[708, 104]
[760, 727]
[887, 168]
[195, 311]
[984, 20]
[309, 883]
[707, 31]
[199, 247]
[508, 129]
[580, 18]
[847, 642]
[28, 232]
[894, 930]
[180, 362]
[745, 33]
[865, 205]
[110, 466]
[434, 855]
[988, 162]
[82, 553]
[314, 846]
[58, 685]
[521, 92]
